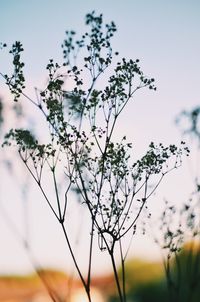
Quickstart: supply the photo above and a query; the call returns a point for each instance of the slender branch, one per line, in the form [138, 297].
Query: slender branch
[75, 261]
[90, 255]
[146, 197]
[65, 205]
[123, 270]
[116, 276]
[39, 185]
[25, 95]
[56, 191]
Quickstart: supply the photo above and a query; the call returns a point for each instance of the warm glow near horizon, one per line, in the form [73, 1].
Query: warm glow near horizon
[165, 37]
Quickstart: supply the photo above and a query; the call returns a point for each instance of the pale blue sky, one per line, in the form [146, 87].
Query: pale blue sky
[164, 35]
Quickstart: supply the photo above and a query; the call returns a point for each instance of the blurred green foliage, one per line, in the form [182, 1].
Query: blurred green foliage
[146, 281]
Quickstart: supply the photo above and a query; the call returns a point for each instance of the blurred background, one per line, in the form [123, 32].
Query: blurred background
[165, 37]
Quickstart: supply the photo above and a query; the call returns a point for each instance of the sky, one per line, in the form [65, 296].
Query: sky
[164, 35]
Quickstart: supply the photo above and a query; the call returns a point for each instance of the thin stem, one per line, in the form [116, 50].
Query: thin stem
[57, 195]
[146, 197]
[65, 205]
[75, 262]
[25, 95]
[39, 185]
[116, 275]
[65, 234]
[90, 255]
[123, 271]
[139, 212]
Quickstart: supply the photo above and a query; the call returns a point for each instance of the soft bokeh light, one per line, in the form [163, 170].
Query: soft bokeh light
[164, 35]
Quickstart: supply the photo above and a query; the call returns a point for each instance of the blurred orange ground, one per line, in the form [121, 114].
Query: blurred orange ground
[62, 288]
